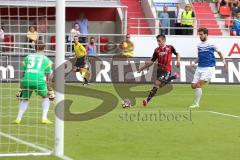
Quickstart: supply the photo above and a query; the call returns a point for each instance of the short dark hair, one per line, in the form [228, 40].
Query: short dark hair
[161, 36]
[92, 38]
[204, 30]
[31, 27]
[75, 24]
[40, 45]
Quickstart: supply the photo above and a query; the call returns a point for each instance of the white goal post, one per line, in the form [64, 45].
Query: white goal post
[60, 80]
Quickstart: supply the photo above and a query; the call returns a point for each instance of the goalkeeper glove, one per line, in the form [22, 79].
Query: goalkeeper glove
[19, 94]
[51, 95]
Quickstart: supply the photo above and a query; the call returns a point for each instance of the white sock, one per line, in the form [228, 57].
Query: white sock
[22, 108]
[198, 95]
[45, 107]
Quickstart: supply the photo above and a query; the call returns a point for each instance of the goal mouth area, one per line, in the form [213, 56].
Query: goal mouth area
[25, 148]
[24, 24]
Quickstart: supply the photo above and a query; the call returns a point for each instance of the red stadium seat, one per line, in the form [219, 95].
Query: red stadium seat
[104, 44]
[53, 40]
[225, 11]
[7, 40]
[231, 32]
[229, 22]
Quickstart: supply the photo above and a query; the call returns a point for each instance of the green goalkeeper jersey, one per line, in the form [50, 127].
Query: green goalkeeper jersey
[34, 67]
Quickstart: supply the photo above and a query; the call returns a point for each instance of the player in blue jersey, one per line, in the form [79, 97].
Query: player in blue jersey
[206, 63]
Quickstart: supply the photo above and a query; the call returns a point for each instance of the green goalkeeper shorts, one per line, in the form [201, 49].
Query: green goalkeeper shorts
[40, 89]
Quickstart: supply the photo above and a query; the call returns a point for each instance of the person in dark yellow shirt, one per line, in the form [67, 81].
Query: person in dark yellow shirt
[127, 47]
[80, 64]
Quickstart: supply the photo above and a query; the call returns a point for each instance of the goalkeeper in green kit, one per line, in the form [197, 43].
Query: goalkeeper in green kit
[35, 67]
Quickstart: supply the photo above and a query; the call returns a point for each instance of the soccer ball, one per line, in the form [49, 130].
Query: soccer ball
[126, 103]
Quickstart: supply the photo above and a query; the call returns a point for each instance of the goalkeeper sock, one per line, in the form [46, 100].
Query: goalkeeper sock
[152, 93]
[45, 107]
[22, 108]
[198, 95]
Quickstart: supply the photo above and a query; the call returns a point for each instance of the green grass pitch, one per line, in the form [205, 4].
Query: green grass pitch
[209, 133]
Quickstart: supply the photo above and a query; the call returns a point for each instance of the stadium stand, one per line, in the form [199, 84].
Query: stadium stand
[108, 20]
[135, 11]
[205, 17]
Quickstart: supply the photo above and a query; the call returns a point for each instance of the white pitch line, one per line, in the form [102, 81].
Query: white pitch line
[144, 111]
[223, 114]
[25, 154]
[65, 157]
[208, 94]
[46, 152]
[25, 142]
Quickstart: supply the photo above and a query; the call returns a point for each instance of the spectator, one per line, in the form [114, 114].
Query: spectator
[236, 25]
[235, 9]
[221, 3]
[232, 2]
[178, 16]
[32, 36]
[91, 47]
[75, 32]
[164, 21]
[127, 47]
[188, 20]
[83, 24]
[1, 37]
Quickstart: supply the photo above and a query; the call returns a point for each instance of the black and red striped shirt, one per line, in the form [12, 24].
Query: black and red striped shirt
[164, 57]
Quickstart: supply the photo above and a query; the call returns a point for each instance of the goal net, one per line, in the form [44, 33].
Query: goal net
[22, 23]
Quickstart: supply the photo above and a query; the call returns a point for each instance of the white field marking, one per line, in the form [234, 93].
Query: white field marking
[45, 152]
[34, 154]
[208, 94]
[167, 111]
[224, 114]
[25, 143]
[26, 154]
[164, 111]
[65, 157]
[143, 111]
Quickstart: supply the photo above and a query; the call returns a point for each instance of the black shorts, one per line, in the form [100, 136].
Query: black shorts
[80, 62]
[163, 75]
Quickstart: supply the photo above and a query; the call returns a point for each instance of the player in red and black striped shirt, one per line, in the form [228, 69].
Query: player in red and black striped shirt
[163, 56]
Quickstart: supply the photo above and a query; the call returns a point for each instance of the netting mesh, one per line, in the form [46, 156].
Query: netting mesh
[30, 136]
